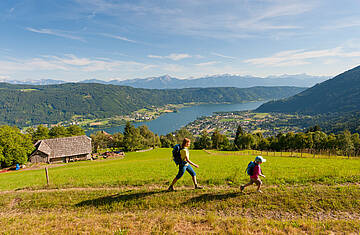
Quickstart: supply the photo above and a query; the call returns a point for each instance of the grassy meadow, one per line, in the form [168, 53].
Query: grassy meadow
[128, 196]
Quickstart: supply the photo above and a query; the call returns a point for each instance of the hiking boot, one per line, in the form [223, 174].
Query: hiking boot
[242, 188]
[171, 189]
[198, 187]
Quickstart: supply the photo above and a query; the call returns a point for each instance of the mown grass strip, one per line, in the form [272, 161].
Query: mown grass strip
[295, 200]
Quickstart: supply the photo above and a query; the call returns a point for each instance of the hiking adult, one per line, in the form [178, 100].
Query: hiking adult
[185, 165]
[254, 171]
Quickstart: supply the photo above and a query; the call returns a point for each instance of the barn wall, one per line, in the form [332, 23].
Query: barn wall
[38, 157]
[69, 158]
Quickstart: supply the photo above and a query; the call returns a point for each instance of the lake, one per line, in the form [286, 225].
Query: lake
[170, 122]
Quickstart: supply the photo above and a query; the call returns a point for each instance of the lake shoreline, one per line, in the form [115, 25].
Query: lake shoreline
[186, 114]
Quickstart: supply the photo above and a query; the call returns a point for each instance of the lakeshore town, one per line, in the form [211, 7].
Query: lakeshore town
[265, 123]
[226, 122]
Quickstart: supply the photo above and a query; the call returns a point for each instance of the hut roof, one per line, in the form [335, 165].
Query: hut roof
[68, 146]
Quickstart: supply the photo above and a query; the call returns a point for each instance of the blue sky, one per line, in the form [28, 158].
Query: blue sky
[74, 40]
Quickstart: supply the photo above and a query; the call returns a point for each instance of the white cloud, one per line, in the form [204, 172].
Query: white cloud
[71, 63]
[178, 56]
[207, 63]
[156, 56]
[222, 56]
[172, 56]
[55, 33]
[4, 77]
[300, 57]
[230, 19]
[118, 37]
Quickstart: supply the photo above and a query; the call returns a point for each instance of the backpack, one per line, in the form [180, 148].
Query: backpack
[176, 154]
[250, 168]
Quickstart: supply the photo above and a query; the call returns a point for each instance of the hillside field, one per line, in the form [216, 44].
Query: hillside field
[128, 196]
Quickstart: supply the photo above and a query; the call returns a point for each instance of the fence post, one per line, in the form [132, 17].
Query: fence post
[47, 175]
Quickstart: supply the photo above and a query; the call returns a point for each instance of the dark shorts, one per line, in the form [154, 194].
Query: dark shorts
[256, 181]
[185, 167]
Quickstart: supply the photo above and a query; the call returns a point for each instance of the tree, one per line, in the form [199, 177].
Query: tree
[58, 132]
[74, 130]
[247, 141]
[216, 139]
[345, 143]
[41, 133]
[331, 142]
[183, 133]
[319, 140]
[264, 144]
[167, 141]
[301, 142]
[204, 142]
[356, 141]
[117, 140]
[14, 146]
[238, 135]
[148, 139]
[132, 138]
[219, 141]
[100, 140]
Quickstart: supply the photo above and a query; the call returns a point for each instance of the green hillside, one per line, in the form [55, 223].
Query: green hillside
[128, 196]
[339, 94]
[28, 104]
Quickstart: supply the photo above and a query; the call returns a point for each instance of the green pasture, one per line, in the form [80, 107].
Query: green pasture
[128, 196]
[157, 168]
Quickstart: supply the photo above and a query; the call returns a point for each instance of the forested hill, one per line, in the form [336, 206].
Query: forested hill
[29, 104]
[339, 94]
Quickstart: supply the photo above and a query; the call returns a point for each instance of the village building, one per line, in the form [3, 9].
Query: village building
[62, 150]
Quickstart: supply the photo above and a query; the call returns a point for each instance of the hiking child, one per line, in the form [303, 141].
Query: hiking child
[254, 171]
[185, 164]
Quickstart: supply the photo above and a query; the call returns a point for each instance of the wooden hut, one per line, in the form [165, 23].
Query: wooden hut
[62, 150]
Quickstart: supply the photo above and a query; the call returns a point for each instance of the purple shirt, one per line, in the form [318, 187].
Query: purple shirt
[256, 172]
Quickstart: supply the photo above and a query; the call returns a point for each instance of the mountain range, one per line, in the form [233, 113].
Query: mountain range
[340, 94]
[25, 105]
[225, 80]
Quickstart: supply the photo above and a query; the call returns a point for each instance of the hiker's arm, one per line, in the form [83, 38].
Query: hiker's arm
[261, 174]
[190, 162]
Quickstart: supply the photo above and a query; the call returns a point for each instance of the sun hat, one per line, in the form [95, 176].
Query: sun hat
[260, 159]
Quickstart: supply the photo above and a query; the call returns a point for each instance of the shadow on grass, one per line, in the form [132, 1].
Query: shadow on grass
[212, 197]
[123, 197]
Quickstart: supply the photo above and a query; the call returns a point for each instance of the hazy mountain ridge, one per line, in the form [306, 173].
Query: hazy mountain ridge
[339, 94]
[224, 80]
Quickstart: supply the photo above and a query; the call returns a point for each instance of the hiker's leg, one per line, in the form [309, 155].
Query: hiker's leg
[194, 180]
[177, 177]
[180, 173]
[191, 171]
[173, 182]
[258, 183]
[250, 183]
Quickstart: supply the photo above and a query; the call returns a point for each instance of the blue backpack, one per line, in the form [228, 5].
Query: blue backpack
[250, 168]
[176, 154]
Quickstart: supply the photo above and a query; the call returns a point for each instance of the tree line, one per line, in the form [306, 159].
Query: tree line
[15, 146]
[313, 140]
